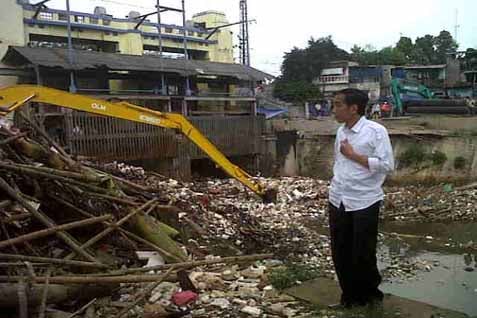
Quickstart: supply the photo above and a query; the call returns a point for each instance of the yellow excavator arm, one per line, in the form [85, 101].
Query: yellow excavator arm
[15, 96]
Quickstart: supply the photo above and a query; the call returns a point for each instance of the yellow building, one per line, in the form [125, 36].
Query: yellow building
[21, 24]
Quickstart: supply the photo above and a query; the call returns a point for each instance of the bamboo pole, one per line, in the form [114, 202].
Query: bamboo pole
[22, 292]
[44, 294]
[15, 217]
[68, 174]
[192, 264]
[45, 220]
[79, 311]
[130, 234]
[45, 135]
[5, 203]
[53, 230]
[46, 175]
[12, 138]
[65, 280]
[112, 198]
[110, 229]
[17, 257]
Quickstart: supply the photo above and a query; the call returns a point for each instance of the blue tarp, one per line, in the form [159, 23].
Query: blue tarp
[271, 112]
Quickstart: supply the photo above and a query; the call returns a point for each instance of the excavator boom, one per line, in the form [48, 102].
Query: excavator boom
[15, 96]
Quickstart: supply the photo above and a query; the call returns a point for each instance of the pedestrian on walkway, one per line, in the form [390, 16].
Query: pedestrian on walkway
[363, 158]
[376, 111]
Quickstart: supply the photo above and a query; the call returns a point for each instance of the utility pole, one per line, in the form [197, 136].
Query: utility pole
[244, 34]
[186, 54]
[456, 26]
[70, 49]
[159, 31]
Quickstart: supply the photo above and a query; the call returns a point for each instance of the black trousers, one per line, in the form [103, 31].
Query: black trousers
[353, 244]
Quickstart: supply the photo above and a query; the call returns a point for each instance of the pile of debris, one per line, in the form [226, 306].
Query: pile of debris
[87, 239]
[84, 239]
[71, 233]
[442, 203]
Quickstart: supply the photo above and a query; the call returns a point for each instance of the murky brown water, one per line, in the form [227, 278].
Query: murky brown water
[453, 283]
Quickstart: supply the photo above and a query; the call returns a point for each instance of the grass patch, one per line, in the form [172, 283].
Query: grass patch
[415, 156]
[460, 163]
[285, 277]
[438, 158]
[412, 156]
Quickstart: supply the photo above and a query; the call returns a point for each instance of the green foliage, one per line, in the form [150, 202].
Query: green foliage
[302, 66]
[438, 158]
[468, 62]
[405, 46]
[306, 64]
[286, 277]
[460, 163]
[425, 50]
[415, 156]
[296, 91]
[412, 156]
[444, 44]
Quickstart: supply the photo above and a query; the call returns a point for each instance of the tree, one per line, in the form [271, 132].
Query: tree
[296, 91]
[392, 56]
[365, 56]
[306, 64]
[301, 67]
[444, 44]
[469, 60]
[294, 66]
[405, 46]
[370, 56]
[424, 51]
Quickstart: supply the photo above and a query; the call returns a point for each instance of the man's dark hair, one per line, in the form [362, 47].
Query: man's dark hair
[353, 96]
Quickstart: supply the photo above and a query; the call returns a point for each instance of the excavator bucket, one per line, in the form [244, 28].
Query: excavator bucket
[270, 196]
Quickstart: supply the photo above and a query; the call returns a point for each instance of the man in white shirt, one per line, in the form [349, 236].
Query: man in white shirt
[363, 158]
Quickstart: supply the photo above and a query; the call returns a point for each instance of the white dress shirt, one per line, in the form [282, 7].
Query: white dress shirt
[354, 185]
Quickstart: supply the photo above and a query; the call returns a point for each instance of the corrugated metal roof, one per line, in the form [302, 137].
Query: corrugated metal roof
[83, 60]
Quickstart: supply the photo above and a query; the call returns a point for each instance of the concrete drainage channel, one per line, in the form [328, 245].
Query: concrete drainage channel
[441, 267]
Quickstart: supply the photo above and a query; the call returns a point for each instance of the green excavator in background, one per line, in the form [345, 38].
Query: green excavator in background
[414, 98]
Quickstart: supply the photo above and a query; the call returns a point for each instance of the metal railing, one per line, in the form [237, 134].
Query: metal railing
[333, 79]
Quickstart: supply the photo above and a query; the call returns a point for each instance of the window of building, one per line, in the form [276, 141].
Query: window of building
[180, 31]
[41, 26]
[80, 19]
[200, 35]
[191, 33]
[107, 33]
[106, 22]
[46, 15]
[93, 20]
[146, 37]
[62, 17]
[168, 30]
[115, 33]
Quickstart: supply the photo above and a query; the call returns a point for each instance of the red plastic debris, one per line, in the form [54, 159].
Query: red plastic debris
[184, 298]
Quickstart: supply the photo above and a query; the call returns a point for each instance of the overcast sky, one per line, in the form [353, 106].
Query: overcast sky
[283, 24]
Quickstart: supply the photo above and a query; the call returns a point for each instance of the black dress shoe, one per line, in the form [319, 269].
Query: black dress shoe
[337, 306]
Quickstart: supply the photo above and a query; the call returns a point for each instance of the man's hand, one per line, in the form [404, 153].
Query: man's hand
[348, 151]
